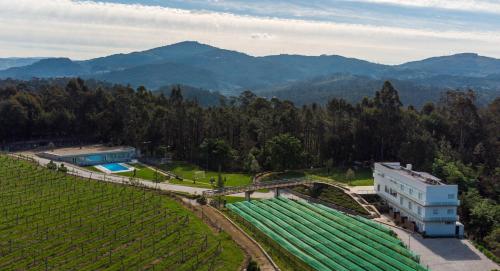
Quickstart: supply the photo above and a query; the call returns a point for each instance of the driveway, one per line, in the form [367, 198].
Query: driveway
[447, 254]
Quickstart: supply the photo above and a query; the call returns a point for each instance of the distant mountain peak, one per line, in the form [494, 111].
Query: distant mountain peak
[465, 55]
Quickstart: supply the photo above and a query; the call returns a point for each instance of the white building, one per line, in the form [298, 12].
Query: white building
[418, 200]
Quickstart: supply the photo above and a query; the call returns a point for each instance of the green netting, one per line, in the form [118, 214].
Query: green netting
[389, 256]
[325, 239]
[293, 236]
[281, 241]
[348, 243]
[352, 221]
[344, 257]
[400, 248]
[374, 225]
[351, 225]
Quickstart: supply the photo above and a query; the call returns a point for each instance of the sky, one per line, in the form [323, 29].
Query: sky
[382, 31]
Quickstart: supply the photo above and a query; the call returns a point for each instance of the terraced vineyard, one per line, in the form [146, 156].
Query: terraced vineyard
[53, 221]
[325, 239]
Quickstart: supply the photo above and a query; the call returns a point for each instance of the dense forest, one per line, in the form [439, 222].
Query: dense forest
[454, 138]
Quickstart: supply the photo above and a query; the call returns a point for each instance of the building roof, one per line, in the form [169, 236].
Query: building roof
[91, 149]
[424, 177]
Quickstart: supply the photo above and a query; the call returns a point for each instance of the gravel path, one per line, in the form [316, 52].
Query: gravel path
[249, 245]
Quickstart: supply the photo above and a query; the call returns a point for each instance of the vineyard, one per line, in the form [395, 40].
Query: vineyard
[53, 221]
[326, 239]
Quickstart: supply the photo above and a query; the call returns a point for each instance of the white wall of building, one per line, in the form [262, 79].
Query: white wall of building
[432, 206]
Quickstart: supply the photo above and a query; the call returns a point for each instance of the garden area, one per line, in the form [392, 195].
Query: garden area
[193, 175]
[333, 195]
[355, 177]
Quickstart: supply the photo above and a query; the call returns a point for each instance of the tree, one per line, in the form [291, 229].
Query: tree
[285, 152]
[350, 175]
[388, 121]
[254, 166]
[329, 165]
[216, 153]
[493, 241]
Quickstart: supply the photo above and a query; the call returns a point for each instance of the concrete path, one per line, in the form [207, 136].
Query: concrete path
[84, 173]
[444, 254]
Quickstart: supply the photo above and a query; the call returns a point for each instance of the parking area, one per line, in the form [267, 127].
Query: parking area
[445, 254]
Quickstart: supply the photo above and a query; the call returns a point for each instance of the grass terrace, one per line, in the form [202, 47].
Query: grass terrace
[325, 239]
[53, 221]
[144, 172]
[190, 172]
[362, 177]
[333, 195]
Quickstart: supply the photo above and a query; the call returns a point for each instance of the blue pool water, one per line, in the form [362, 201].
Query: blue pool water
[114, 167]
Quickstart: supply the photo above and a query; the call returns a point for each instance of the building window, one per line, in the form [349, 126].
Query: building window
[402, 187]
[411, 191]
[410, 205]
[435, 211]
[419, 195]
[419, 210]
[401, 200]
[451, 196]
[450, 211]
[378, 187]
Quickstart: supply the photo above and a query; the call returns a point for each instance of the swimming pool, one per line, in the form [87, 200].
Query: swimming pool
[115, 167]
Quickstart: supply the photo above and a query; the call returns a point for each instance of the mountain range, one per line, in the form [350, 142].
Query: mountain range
[302, 79]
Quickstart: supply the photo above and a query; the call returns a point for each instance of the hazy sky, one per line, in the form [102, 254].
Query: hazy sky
[384, 31]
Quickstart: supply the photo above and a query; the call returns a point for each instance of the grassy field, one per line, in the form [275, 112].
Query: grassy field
[53, 221]
[145, 173]
[187, 171]
[362, 177]
[335, 196]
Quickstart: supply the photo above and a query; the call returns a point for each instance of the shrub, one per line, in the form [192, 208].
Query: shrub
[62, 168]
[253, 266]
[202, 200]
[52, 166]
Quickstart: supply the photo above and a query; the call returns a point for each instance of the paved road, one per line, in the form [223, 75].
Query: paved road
[445, 254]
[119, 179]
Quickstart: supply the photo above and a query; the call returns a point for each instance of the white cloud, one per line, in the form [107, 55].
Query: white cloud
[461, 5]
[90, 29]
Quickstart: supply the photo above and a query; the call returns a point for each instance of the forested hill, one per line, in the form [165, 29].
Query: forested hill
[354, 88]
[230, 73]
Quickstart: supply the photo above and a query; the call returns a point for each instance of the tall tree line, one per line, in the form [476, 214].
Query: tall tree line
[454, 139]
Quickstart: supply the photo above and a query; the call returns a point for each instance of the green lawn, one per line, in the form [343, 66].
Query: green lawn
[145, 173]
[142, 172]
[92, 168]
[187, 171]
[362, 177]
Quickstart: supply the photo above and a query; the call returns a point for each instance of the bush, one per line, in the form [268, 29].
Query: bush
[253, 266]
[202, 200]
[62, 168]
[52, 166]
